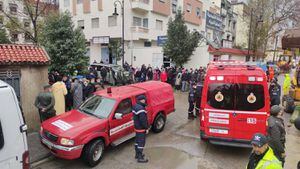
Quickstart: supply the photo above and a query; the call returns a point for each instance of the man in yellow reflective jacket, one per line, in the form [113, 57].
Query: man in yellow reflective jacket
[262, 156]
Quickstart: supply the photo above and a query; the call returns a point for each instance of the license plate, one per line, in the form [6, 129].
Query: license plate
[218, 131]
[218, 121]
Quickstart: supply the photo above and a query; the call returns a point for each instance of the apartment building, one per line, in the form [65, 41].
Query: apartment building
[242, 25]
[229, 24]
[145, 27]
[15, 9]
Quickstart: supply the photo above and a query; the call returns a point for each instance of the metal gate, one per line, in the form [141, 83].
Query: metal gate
[12, 77]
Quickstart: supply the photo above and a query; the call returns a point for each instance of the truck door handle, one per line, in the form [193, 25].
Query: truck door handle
[234, 114]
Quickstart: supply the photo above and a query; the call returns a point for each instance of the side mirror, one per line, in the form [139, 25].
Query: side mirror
[118, 116]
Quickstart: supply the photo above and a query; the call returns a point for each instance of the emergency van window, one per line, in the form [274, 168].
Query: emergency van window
[250, 97]
[221, 96]
[98, 106]
[125, 106]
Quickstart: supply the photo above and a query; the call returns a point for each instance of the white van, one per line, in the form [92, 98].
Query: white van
[13, 142]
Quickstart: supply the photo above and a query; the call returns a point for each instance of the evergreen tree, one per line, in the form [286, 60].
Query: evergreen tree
[3, 36]
[181, 42]
[65, 45]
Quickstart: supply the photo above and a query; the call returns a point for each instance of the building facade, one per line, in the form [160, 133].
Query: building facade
[229, 18]
[145, 27]
[17, 11]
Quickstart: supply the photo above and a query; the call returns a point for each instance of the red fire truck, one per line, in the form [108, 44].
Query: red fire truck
[105, 119]
[235, 103]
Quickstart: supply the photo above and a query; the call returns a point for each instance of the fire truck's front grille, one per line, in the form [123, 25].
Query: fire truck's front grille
[50, 136]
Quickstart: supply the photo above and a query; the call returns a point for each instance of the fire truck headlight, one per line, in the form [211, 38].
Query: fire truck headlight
[66, 142]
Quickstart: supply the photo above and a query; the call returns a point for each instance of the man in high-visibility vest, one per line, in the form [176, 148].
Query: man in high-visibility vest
[141, 127]
[262, 156]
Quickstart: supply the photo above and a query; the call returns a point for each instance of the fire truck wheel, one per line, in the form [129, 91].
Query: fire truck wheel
[289, 105]
[159, 123]
[93, 152]
[297, 123]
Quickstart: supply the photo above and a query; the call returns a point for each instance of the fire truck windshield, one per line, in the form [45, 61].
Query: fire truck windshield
[98, 106]
[230, 96]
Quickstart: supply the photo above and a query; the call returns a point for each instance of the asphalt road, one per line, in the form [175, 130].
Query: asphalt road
[179, 147]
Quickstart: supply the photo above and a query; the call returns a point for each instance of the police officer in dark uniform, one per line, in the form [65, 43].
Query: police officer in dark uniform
[275, 92]
[141, 128]
[276, 133]
[191, 100]
[198, 95]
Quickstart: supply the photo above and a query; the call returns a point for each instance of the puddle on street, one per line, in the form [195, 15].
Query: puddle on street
[171, 158]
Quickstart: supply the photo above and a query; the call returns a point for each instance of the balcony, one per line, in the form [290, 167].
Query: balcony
[141, 5]
[139, 32]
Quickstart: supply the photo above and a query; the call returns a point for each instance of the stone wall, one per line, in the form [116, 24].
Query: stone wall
[33, 78]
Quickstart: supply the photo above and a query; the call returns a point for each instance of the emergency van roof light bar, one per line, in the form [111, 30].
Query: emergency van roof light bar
[249, 67]
[221, 67]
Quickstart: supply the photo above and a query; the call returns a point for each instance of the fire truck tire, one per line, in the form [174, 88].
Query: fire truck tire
[297, 123]
[93, 152]
[159, 123]
[289, 105]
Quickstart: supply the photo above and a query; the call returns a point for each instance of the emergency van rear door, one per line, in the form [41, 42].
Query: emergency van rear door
[219, 115]
[250, 115]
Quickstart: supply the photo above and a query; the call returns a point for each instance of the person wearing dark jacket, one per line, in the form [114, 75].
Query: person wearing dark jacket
[198, 95]
[275, 93]
[141, 128]
[191, 100]
[88, 90]
[276, 133]
[45, 103]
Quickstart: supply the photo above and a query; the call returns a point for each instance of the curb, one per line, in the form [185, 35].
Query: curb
[41, 161]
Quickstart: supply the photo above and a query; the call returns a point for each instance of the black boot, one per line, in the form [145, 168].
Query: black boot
[142, 160]
[191, 116]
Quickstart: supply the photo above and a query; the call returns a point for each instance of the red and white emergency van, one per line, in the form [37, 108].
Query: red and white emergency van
[105, 119]
[235, 103]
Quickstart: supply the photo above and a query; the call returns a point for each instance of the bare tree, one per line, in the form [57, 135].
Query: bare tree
[34, 11]
[268, 18]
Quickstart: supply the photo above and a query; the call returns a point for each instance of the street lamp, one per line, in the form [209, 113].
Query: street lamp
[116, 14]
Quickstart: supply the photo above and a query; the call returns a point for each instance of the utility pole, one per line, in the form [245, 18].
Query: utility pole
[250, 29]
[116, 14]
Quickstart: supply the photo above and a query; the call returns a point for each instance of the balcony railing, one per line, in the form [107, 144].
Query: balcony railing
[139, 29]
[141, 5]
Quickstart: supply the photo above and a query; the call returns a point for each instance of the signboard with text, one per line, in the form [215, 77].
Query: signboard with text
[161, 40]
[214, 21]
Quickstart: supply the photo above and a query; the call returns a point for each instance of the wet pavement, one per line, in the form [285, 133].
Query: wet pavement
[179, 147]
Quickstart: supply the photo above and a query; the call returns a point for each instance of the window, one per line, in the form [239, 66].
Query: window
[80, 24]
[25, 10]
[26, 24]
[189, 8]
[228, 37]
[14, 37]
[112, 21]
[233, 38]
[221, 96]
[198, 12]
[140, 22]
[27, 37]
[1, 137]
[13, 9]
[229, 23]
[159, 25]
[95, 22]
[137, 21]
[145, 22]
[233, 25]
[125, 107]
[98, 106]
[209, 36]
[79, 1]
[228, 96]
[250, 97]
[147, 44]
[174, 6]
[66, 3]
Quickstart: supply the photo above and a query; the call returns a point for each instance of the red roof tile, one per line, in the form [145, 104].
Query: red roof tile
[16, 54]
[231, 51]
